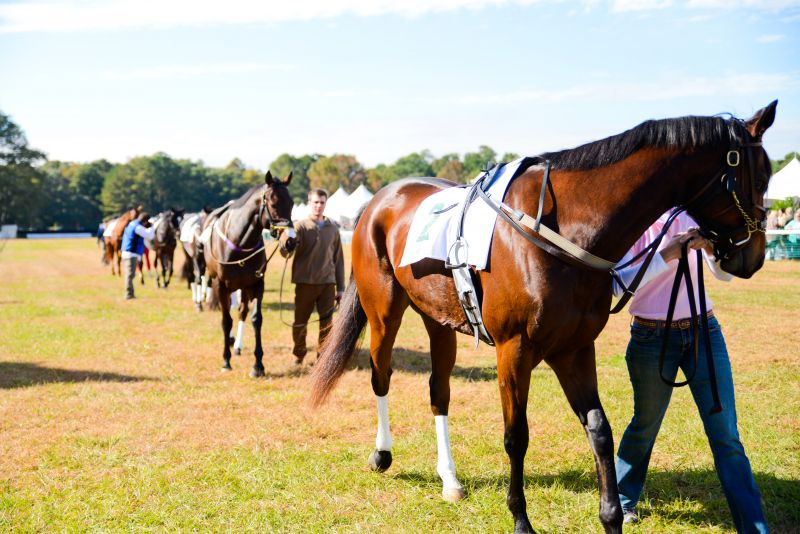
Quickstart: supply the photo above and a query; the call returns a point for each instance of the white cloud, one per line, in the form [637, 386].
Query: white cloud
[770, 38]
[189, 71]
[621, 6]
[763, 5]
[104, 15]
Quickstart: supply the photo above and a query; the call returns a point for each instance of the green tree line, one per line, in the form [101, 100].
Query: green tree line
[39, 194]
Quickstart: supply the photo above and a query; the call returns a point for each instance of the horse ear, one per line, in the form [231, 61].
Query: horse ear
[288, 179]
[268, 178]
[762, 120]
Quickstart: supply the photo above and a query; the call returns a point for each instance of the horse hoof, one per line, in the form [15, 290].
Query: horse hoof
[237, 352]
[256, 373]
[380, 461]
[226, 369]
[453, 494]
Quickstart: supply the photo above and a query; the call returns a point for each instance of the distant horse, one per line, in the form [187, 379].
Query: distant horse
[163, 244]
[194, 264]
[235, 257]
[113, 241]
[536, 306]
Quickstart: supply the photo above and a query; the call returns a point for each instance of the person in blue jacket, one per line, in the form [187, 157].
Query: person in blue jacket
[133, 247]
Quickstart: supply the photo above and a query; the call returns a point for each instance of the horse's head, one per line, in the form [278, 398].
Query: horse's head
[730, 209]
[275, 210]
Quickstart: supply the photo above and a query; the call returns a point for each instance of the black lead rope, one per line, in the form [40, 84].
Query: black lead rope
[683, 272]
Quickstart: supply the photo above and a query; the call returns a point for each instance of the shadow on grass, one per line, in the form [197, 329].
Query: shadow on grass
[781, 496]
[414, 361]
[20, 375]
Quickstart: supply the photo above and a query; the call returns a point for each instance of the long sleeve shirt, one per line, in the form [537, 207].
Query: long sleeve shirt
[652, 297]
[146, 233]
[318, 257]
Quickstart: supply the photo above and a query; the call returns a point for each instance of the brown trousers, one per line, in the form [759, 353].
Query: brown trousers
[306, 298]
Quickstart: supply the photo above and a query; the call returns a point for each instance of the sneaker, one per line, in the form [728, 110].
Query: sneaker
[629, 517]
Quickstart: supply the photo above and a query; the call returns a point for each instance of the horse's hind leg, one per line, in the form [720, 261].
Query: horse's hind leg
[578, 377]
[384, 310]
[443, 358]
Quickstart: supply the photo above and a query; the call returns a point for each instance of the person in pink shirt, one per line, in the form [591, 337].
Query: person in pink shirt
[651, 395]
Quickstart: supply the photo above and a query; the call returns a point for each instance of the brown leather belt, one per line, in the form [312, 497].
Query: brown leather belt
[682, 323]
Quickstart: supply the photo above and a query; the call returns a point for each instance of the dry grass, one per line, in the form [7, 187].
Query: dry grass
[114, 417]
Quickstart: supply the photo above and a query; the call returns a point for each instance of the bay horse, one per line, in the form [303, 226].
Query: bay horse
[235, 255]
[163, 245]
[601, 197]
[113, 242]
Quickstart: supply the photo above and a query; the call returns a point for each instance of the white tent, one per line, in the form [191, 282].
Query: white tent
[357, 200]
[299, 212]
[786, 182]
[335, 204]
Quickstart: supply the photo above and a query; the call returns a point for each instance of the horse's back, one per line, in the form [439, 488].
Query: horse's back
[383, 226]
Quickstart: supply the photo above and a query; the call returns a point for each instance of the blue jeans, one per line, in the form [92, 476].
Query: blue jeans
[651, 397]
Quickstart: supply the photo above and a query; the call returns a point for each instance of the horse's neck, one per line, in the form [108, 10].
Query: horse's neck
[238, 225]
[643, 187]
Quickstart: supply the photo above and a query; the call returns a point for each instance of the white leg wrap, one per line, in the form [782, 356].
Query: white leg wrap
[445, 466]
[239, 336]
[195, 293]
[383, 441]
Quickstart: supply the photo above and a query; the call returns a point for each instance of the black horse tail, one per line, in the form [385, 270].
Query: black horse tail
[340, 346]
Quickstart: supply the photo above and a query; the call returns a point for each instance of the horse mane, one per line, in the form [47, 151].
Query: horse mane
[681, 132]
[242, 200]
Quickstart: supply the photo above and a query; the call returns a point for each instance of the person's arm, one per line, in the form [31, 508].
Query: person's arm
[712, 262]
[288, 241]
[146, 233]
[657, 266]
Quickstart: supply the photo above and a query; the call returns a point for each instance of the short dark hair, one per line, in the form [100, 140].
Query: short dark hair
[143, 216]
[319, 193]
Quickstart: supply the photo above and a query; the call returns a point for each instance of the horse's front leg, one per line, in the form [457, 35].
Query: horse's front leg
[258, 319]
[443, 358]
[167, 261]
[224, 298]
[514, 365]
[577, 374]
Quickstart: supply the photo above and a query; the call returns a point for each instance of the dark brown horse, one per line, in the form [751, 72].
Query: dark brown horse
[601, 196]
[113, 243]
[163, 245]
[235, 255]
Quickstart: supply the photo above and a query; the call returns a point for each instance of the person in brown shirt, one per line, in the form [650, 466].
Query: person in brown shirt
[317, 270]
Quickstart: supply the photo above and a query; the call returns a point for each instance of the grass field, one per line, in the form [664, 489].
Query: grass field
[114, 417]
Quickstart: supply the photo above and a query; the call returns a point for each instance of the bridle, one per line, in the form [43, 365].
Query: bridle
[727, 241]
[272, 225]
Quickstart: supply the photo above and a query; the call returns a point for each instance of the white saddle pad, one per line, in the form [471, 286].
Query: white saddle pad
[189, 227]
[433, 231]
[109, 231]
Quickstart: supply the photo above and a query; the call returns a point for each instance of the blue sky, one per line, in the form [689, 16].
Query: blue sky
[379, 79]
